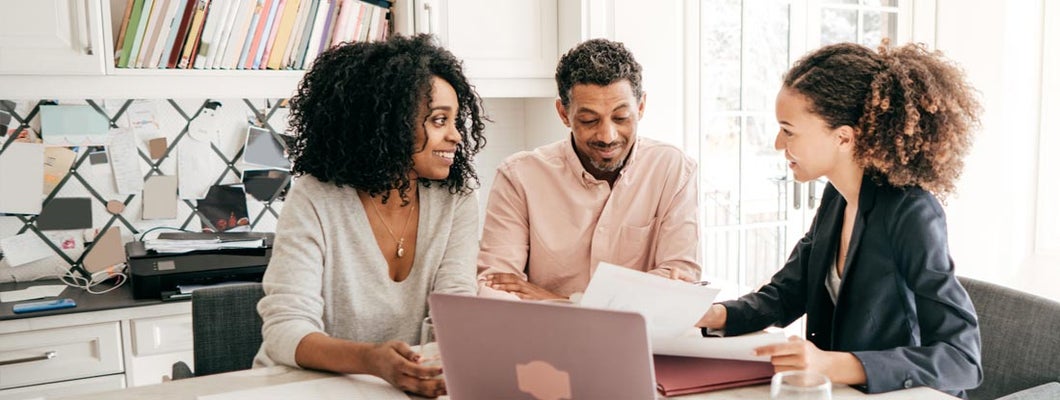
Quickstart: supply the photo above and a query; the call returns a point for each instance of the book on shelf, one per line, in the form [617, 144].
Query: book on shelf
[270, 31]
[164, 29]
[182, 34]
[129, 32]
[296, 34]
[120, 40]
[154, 25]
[194, 32]
[317, 34]
[239, 34]
[247, 60]
[283, 34]
[138, 38]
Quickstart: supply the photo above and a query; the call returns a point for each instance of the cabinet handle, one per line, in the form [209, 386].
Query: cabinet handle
[797, 198]
[430, 17]
[813, 194]
[83, 7]
[48, 355]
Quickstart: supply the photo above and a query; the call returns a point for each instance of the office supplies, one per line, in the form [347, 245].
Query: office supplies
[125, 161]
[43, 305]
[684, 375]
[693, 344]
[159, 275]
[24, 248]
[160, 197]
[32, 292]
[494, 349]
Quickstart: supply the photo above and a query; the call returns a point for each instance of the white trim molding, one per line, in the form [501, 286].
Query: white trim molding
[1047, 235]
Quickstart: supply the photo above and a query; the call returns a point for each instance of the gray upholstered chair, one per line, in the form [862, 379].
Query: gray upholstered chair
[227, 329]
[1021, 343]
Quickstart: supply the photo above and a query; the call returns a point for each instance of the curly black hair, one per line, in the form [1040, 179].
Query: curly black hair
[914, 112]
[598, 62]
[355, 115]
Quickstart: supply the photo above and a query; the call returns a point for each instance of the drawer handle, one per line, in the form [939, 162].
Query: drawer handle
[46, 356]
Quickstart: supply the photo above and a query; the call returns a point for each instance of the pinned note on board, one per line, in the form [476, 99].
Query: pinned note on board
[21, 178]
[73, 125]
[107, 251]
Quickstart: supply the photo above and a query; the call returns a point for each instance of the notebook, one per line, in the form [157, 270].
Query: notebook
[684, 375]
[502, 349]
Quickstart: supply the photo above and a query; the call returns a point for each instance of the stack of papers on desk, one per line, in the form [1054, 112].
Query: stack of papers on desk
[185, 242]
[685, 361]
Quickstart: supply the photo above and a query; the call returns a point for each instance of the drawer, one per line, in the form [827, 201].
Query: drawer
[49, 355]
[65, 388]
[161, 335]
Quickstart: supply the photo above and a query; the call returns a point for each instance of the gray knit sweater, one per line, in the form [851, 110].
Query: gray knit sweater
[328, 275]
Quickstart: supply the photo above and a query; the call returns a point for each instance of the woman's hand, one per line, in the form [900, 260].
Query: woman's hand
[714, 318]
[799, 354]
[396, 363]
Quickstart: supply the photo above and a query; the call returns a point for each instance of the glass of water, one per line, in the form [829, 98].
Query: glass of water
[800, 385]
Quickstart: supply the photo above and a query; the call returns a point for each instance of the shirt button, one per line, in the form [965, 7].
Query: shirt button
[908, 383]
[813, 334]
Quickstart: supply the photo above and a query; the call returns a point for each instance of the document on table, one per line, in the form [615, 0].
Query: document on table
[693, 344]
[339, 387]
[670, 307]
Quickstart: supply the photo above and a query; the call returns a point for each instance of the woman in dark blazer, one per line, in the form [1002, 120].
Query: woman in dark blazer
[873, 275]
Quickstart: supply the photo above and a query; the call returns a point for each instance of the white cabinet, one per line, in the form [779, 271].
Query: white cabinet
[51, 37]
[509, 48]
[93, 351]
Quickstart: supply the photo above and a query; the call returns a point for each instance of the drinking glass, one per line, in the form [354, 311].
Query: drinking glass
[800, 385]
[429, 354]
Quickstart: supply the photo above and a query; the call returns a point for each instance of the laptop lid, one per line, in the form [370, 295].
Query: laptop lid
[501, 349]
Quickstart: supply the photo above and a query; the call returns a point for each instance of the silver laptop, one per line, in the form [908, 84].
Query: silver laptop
[499, 349]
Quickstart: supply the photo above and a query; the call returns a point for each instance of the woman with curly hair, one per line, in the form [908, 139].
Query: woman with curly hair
[873, 275]
[382, 215]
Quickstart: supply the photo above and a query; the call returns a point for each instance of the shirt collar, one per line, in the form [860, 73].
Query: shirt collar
[587, 178]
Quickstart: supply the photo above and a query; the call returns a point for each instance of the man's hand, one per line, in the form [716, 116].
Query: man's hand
[799, 354]
[672, 273]
[516, 285]
[396, 363]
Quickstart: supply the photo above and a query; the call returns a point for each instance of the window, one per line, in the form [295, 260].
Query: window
[752, 211]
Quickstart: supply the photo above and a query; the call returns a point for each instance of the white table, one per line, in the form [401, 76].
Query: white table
[189, 389]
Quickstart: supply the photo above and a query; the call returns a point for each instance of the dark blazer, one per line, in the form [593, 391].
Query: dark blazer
[900, 309]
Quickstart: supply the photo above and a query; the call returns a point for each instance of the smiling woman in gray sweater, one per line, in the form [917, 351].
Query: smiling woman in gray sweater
[383, 213]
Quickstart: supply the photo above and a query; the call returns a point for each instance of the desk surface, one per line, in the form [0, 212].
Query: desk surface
[189, 389]
[121, 297]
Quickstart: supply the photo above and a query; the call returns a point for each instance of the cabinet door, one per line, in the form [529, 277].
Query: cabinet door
[496, 39]
[51, 37]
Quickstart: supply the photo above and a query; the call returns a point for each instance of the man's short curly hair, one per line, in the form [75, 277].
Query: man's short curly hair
[913, 112]
[355, 115]
[597, 62]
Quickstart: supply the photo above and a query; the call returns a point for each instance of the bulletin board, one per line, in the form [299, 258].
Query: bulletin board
[173, 119]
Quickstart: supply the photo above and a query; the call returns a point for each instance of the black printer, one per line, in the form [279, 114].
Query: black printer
[157, 274]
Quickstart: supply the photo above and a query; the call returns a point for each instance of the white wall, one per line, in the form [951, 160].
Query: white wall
[992, 218]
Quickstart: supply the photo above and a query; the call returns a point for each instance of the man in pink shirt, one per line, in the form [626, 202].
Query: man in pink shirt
[604, 194]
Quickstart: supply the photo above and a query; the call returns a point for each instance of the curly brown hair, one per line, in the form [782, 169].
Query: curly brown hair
[356, 111]
[913, 112]
[597, 62]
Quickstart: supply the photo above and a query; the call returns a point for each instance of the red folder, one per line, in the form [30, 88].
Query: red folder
[684, 375]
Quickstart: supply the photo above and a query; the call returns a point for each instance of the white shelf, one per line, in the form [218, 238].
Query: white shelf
[153, 84]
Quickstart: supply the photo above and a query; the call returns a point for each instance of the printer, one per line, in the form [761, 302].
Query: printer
[158, 274]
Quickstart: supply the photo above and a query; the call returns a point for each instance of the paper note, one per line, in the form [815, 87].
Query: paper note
[197, 168]
[21, 178]
[262, 148]
[157, 147]
[339, 387]
[107, 251]
[66, 213]
[24, 248]
[57, 163]
[125, 163]
[143, 120]
[160, 197]
[73, 125]
[693, 344]
[35, 292]
[669, 306]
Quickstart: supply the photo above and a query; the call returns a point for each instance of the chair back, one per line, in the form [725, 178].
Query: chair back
[226, 326]
[1021, 339]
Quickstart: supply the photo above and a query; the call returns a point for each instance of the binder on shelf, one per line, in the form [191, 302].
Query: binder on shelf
[269, 30]
[119, 43]
[138, 37]
[278, 43]
[190, 45]
[182, 34]
[147, 46]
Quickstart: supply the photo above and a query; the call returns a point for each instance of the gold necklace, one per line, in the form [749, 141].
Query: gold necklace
[400, 241]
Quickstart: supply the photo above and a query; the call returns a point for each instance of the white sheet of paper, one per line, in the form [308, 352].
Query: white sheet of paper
[22, 178]
[125, 162]
[197, 167]
[24, 248]
[670, 307]
[693, 344]
[339, 387]
[142, 118]
[35, 292]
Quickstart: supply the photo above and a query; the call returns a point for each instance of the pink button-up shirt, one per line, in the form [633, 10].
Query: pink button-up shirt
[549, 220]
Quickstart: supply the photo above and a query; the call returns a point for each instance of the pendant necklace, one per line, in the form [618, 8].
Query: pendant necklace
[400, 241]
